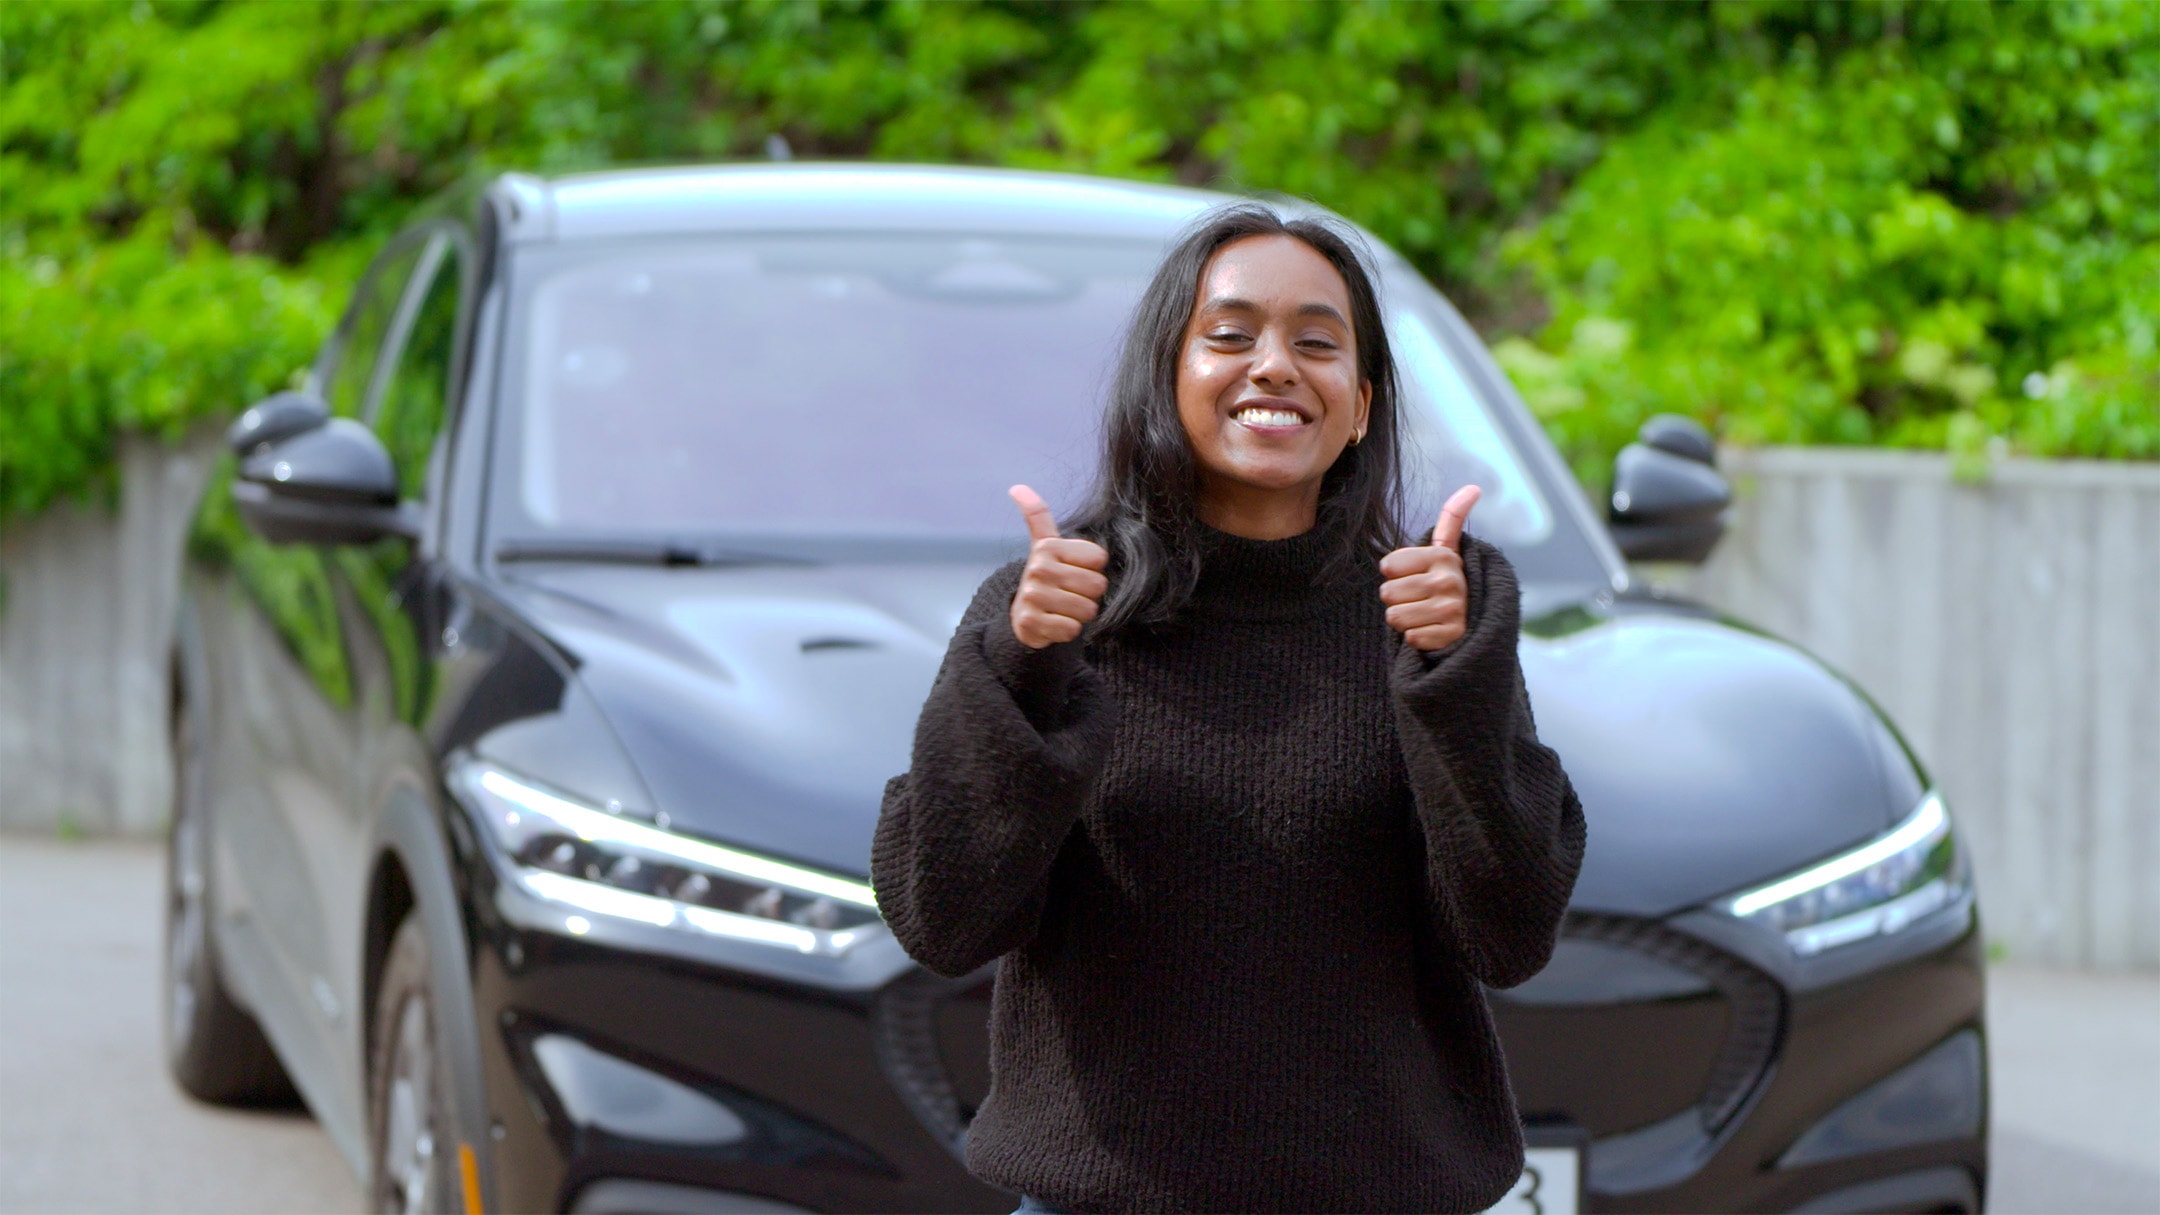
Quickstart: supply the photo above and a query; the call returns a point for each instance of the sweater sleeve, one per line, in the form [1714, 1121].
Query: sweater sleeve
[1501, 825]
[1007, 747]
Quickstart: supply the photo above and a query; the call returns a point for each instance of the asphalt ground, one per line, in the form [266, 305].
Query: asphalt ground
[90, 1122]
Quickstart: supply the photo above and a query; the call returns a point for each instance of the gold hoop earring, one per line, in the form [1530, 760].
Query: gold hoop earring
[1358, 437]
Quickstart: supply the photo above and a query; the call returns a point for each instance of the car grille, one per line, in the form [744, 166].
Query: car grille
[1664, 1022]
[1634, 1023]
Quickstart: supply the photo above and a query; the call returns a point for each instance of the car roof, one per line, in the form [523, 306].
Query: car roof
[869, 197]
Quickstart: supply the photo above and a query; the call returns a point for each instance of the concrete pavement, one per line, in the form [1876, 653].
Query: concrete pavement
[89, 1121]
[2076, 1091]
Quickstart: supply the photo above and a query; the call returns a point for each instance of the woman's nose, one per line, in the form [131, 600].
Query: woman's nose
[1272, 365]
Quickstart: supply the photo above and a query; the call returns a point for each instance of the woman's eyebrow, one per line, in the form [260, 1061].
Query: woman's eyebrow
[1231, 303]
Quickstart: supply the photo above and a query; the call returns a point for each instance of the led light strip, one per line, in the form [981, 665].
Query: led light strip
[665, 913]
[1879, 920]
[596, 826]
[1930, 819]
[603, 900]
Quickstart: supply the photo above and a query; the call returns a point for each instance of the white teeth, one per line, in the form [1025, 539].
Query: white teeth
[1269, 417]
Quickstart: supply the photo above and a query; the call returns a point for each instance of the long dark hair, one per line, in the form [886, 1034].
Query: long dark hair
[1144, 505]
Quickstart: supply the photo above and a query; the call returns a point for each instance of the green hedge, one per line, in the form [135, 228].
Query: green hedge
[134, 337]
[1946, 239]
[1924, 224]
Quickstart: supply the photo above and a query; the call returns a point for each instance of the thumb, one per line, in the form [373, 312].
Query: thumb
[1040, 524]
[1448, 534]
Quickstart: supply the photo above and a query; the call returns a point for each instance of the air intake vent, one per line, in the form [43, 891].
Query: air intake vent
[1757, 1009]
[906, 1023]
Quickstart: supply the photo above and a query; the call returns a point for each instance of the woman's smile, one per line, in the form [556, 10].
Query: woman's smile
[1270, 416]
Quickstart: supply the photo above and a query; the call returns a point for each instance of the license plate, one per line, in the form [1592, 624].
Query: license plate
[1551, 1184]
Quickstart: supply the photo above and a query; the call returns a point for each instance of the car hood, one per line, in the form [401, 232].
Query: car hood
[767, 707]
[762, 706]
[1708, 756]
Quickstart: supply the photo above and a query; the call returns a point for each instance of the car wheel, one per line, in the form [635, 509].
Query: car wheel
[216, 1051]
[414, 1148]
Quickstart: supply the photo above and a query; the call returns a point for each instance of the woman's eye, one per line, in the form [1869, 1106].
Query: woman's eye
[1227, 335]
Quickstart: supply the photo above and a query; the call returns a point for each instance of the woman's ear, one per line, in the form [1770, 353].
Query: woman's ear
[1364, 406]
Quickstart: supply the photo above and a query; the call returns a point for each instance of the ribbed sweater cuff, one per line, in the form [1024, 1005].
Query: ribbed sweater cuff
[1040, 681]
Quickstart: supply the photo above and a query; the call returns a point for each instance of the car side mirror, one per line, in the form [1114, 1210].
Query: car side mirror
[275, 418]
[1668, 498]
[330, 484]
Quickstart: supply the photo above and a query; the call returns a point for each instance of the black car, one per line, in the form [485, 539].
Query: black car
[543, 659]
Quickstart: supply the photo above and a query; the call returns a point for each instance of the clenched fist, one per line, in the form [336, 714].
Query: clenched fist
[1063, 584]
[1427, 597]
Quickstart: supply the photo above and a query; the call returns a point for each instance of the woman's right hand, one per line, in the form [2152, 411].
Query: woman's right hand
[1063, 584]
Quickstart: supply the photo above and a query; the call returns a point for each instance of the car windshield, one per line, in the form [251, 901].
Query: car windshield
[781, 388]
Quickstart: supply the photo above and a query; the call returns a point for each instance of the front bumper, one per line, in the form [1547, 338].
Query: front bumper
[620, 1077]
[1766, 1087]
[625, 1071]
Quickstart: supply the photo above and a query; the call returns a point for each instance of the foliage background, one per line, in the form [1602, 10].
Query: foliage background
[1927, 224]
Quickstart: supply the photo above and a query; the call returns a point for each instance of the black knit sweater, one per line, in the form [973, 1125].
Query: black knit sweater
[1246, 873]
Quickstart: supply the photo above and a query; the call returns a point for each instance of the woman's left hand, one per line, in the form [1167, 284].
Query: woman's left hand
[1428, 599]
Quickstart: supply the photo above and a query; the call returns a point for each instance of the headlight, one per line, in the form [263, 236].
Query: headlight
[1874, 890]
[570, 853]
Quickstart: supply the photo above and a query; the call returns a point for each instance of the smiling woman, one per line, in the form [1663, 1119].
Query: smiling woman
[1239, 786]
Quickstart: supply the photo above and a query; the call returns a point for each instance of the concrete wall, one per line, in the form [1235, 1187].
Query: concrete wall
[86, 607]
[2012, 630]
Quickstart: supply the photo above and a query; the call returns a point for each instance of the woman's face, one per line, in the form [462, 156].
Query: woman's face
[1268, 385]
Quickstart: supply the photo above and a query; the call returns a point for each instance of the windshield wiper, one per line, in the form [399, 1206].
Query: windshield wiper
[625, 551]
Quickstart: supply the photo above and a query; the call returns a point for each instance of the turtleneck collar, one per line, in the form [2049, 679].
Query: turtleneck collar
[1264, 579]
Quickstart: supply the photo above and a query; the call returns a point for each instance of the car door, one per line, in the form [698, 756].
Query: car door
[382, 593]
[393, 583]
[300, 739]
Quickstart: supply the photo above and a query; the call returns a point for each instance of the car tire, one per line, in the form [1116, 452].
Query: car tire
[412, 1147]
[215, 1049]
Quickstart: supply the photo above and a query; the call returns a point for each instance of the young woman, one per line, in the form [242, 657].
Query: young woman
[1240, 784]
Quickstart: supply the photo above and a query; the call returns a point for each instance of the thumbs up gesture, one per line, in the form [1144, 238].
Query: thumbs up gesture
[1428, 599]
[1063, 584]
